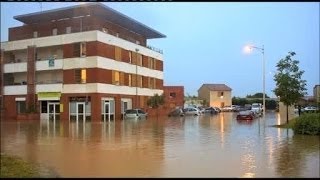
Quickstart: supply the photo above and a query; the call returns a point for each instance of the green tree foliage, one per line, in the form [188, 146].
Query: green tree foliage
[155, 101]
[289, 85]
[257, 95]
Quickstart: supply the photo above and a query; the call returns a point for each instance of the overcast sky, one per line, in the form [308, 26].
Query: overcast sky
[205, 41]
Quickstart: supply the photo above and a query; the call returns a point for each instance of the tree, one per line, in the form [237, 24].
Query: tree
[289, 85]
[155, 101]
[257, 95]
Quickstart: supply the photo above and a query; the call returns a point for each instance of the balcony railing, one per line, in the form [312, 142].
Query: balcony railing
[155, 49]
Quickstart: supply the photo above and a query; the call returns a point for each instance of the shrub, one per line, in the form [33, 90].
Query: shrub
[307, 124]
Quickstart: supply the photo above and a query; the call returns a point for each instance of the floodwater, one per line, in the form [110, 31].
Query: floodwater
[204, 146]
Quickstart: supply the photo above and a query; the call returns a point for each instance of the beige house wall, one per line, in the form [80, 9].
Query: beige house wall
[216, 100]
[204, 94]
[283, 112]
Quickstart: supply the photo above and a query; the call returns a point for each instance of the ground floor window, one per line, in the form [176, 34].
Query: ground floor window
[21, 107]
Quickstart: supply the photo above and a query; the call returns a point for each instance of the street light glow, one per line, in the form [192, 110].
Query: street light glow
[247, 49]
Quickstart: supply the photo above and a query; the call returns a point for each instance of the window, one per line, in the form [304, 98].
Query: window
[117, 34]
[76, 49]
[150, 63]
[141, 81]
[140, 59]
[154, 64]
[44, 106]
[81, 75]
[130, 57]
[121, 74]
[130, 79]
[117, 53]
[220, 93]
[115, 77]
[54, 31]
[172, 95]
[35, 34]
[154, 83]
[68, 30]
[149, 82]
[83, 49]
[21, 107]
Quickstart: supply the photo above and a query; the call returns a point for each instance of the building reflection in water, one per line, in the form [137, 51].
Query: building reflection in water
[115, 149]
[205, 146]
[222, 130]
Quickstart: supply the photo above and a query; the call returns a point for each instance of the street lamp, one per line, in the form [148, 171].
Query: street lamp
[137, 50]
[248, 49]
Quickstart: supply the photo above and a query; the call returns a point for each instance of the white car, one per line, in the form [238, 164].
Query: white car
[310, 109]
[257, 108]
[135, 114]
[192, 111]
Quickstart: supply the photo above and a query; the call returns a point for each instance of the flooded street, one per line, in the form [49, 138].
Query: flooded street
[204, 146]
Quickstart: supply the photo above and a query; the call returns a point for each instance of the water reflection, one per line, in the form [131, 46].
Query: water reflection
[202, 146]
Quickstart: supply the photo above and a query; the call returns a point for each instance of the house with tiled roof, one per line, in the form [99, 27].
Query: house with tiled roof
[217, 95]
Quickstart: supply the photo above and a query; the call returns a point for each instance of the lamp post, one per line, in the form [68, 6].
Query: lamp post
[137, 50]
[249, 48]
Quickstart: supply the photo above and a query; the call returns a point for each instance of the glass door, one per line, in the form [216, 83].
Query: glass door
[53, 111]
[106, 109]
[80, 112]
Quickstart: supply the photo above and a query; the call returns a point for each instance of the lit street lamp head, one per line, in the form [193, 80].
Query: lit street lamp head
[247, 49]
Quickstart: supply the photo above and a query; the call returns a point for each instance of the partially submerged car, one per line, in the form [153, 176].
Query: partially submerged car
[246, 115]
[192, 111]
[135, 114]
[176, 112]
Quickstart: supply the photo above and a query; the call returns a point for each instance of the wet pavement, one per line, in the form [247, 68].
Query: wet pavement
[204, 146]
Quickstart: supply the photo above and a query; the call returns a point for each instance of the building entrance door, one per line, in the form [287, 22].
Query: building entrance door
[80, 112]
[106, 110]
[53, 111]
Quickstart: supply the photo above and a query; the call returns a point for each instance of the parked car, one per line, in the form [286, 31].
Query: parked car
[210, 110]
[257, 108]
[226, 109]
[218, 110]
[246, 115]
[192, 111]
[176, 112]
[135, 114]
[201, 109]
[310, 109]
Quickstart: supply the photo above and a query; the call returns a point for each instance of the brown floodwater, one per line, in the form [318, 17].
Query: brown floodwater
[204, 146]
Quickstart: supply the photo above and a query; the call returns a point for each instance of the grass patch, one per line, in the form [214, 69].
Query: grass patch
[15, 167]
[308, 123]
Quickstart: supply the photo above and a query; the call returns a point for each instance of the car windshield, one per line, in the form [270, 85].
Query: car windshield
[140, 111]
[131, 111]
[255, 106]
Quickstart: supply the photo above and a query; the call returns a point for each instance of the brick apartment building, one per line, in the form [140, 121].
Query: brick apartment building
[81, 63]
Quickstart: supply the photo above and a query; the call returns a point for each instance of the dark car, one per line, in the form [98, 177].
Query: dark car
[176, 112]
[210, 110]
[245, 115]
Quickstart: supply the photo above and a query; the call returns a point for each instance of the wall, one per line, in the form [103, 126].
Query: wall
[283, 112]
[216, 100]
